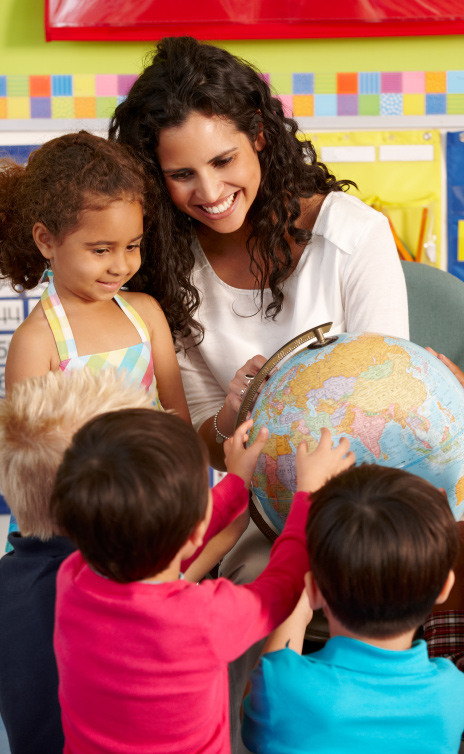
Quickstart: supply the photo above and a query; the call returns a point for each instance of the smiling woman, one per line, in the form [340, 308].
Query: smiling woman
[251, 242]
[216, 183]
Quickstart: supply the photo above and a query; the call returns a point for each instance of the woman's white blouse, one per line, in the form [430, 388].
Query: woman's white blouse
[348, 274]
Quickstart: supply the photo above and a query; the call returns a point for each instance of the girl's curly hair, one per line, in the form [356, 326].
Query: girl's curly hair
[183, 76]
[64, 177]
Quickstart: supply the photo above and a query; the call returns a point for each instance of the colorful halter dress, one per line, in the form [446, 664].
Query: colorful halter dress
[136, 360]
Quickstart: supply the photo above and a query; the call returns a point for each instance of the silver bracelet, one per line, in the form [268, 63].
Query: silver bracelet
[219, 436]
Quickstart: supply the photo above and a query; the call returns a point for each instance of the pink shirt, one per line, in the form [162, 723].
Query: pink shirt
[143, 667]
[230, 499]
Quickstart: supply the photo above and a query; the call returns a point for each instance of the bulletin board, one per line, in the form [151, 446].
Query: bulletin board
[400, 174]
[455, 196]
[249, 19]
[14, 307]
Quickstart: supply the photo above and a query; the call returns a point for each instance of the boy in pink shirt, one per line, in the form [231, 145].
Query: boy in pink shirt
[142, 654]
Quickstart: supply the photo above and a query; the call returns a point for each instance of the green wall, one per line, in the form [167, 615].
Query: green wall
[23, 50]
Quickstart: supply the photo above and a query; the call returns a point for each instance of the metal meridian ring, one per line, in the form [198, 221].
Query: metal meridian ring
[317, 332]
[247, 402]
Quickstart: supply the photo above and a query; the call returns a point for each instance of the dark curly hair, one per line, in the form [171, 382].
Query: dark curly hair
[186, 76]
[62, 178]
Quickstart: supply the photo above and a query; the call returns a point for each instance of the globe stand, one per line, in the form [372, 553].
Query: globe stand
[251, 394]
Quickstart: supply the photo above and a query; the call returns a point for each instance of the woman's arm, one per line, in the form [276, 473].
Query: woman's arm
[225, 419]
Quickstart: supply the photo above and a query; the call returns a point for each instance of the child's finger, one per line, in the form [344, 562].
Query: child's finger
[240, 436]
[302, 450]
[343, 446]
[325, 441]
[260, 440]
[348, 461]
[242, 430]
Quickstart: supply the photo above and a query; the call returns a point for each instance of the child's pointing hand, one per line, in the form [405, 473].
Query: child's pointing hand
[314, 469]
[240, 460]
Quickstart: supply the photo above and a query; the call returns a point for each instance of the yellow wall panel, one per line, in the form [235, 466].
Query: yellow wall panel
[401, 177]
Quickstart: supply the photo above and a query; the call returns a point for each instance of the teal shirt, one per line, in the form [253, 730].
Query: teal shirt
[354, 698]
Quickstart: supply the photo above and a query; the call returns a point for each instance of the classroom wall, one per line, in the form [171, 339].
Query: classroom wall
[360, 88]
[24, 53]
[23, 50]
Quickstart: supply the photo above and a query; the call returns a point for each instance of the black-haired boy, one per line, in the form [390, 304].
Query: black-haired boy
[382, 544]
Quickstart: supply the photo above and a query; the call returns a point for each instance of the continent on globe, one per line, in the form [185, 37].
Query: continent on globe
[396, 403]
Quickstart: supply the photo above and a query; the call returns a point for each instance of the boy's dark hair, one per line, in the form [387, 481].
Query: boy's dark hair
[381, 542]
[64, 177]
[130, 490]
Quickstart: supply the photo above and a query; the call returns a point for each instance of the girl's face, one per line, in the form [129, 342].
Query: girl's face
[100, 256]
[211, 170]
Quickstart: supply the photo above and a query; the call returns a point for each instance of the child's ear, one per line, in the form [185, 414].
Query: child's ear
[447, 587]
[196, 538]
[316, 599]
[43, 239]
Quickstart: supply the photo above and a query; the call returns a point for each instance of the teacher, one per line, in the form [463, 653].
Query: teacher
[252, 241]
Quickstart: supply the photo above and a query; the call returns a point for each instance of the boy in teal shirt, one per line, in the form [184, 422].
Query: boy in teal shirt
[382, 544]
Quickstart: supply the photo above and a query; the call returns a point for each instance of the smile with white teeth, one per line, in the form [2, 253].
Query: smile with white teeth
[219, 208]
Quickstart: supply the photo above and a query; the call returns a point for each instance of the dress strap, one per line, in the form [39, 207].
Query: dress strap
[58, 321]
[134, 317]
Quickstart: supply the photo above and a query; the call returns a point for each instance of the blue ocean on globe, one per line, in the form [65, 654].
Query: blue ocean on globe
[396, 403]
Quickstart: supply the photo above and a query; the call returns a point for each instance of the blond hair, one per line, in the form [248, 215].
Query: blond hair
[37, 421]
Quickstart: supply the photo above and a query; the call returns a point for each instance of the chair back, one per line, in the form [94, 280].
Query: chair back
[436, 309]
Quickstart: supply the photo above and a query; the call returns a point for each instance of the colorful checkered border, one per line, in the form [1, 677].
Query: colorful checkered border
[63, 96]
[374, 93]
[302, 94]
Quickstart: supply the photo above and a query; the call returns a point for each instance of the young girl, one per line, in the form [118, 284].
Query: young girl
[76, 212]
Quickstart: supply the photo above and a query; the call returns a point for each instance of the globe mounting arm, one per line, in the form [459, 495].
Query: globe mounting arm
[320, 341]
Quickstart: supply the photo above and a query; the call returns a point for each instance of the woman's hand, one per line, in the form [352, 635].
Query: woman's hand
[458, 373]
[240, 383]
[217, 428]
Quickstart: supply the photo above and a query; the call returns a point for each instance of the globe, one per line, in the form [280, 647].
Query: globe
[396, 403]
